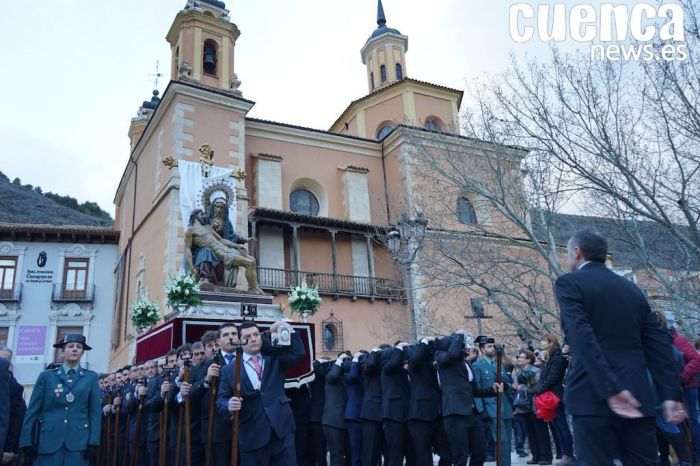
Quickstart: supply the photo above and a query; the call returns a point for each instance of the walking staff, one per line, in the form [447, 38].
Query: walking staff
[184, 409]
[137, 430]
[108, 430]
[115, 451]
[499, 414]
[218, 359]
[237, 394]
[163, 451]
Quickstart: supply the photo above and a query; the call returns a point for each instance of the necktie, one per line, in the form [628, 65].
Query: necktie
[256, 366]
[229, 358]
[71, 372]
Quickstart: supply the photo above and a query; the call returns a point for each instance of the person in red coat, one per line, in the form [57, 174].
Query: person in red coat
[689, 380]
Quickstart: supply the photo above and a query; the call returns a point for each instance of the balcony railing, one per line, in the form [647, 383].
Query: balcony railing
[331, 284]
[67, 293]
[11, 295]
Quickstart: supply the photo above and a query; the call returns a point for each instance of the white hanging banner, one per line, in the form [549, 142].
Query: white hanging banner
[195, 190]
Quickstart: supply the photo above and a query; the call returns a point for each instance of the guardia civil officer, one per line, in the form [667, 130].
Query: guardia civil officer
[62, 424]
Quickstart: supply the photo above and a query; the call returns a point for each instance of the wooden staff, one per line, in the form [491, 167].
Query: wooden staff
[213, 389]
[137, 432]
[115, 452]
[184, 408]
[108, 431]
[236, 414]
[163, 450]
[499, 415]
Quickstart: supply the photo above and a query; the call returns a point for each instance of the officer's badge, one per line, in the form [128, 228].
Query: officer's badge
[58, 390]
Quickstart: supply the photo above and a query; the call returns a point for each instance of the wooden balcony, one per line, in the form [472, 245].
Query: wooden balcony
[332, 284]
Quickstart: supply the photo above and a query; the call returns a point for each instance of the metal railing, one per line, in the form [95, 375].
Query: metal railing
[331, 284]
[11, 295]
[67, 292]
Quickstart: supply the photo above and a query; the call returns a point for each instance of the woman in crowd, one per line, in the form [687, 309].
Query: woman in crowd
[526, 376]
[551, 379]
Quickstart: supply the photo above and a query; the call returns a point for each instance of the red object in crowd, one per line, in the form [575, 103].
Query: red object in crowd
[691, 358]
[546, 406]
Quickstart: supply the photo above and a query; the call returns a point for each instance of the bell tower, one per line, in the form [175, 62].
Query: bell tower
[202, 39]
[384, 54]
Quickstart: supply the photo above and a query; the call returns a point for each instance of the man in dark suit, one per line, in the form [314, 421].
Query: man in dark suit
[318, 399]
[4, 399]
[372, 434]
[138, 418]
[458, 383]
[616, 343]
[353, 408]
[395, 396]
[266, 430]
[17, 409]
[424, 413]
[334, 412]
[157, 390]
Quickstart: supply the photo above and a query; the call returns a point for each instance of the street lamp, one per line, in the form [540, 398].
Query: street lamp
[404, 241]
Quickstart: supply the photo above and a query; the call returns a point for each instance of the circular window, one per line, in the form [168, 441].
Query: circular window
[303, 201]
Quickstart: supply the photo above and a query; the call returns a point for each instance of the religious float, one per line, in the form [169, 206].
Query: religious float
[214, 255]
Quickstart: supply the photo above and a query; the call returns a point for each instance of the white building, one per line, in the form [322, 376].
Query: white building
[55, 280]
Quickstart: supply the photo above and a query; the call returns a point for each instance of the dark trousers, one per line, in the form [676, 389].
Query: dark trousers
[679, 444]
[519, 434]
[279, 452]
[153, 453]
[489, 442]
[690, 396]
[355, 438]
[537, 437]
[335, 441]
[397, 448]
[303, 443]
[562, 432]
[221, 454]
[142, 460]
[599, 439]
[427, 436]
[372, 440]
[466, 437]
[318, 440]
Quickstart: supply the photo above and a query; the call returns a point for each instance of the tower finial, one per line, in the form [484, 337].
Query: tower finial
[381, 19]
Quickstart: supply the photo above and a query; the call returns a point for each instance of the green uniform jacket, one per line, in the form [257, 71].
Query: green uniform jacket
[74, 425]
[485, 377]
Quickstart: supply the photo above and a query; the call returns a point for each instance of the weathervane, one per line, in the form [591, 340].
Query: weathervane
[156, 76]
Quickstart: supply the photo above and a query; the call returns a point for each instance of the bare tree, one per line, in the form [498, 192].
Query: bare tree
[613, 140]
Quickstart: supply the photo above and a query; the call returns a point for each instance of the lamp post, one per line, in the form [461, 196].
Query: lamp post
[404, 241]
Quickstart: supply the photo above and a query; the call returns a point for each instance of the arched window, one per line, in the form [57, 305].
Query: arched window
[465, 211]
[431, 125]
[330, 334]
[399, 72]
[382, 72]
[303, 201]
[383, 131]
[209, 63]
[371, 79]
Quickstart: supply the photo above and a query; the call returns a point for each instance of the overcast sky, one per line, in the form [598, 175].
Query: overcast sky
[75, 71]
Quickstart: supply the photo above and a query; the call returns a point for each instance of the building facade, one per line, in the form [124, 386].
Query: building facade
[55, 280]
[319, 202]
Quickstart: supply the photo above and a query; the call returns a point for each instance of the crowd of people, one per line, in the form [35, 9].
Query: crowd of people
[617, 384]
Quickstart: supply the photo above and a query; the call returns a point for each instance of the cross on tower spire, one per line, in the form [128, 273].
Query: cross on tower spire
[156, 76]
[381, 19]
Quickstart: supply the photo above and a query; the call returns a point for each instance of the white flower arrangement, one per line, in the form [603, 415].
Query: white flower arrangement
[144, 314]
[182, 289]
[304, 298]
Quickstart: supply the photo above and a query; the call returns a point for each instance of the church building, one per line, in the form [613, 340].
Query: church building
[320, 203]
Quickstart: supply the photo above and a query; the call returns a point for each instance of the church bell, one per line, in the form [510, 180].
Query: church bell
[209, 59]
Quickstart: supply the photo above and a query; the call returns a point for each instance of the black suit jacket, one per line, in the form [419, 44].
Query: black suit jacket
[18, 408]
[372, 382]
[457, 391]
[132, 408]
[356, 392]
[395, 389]
[266, 409]
[614, 340]
[336, 398]
[425, 401]
[318, 391]
[154, 405]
